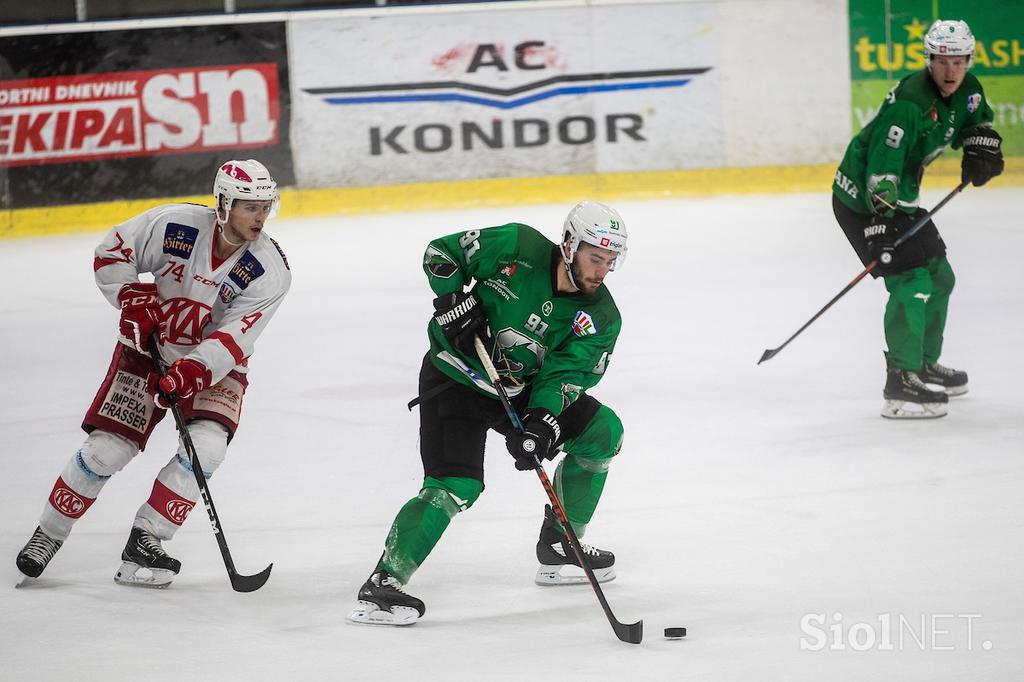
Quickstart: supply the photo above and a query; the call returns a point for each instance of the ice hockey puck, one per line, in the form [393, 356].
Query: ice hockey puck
[675, 633]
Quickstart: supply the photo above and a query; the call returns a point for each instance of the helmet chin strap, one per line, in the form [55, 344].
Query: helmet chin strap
[224, 236]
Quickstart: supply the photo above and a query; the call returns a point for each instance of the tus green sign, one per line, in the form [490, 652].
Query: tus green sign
[887, 43]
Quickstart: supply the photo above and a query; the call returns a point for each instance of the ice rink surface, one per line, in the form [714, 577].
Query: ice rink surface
[769, 509]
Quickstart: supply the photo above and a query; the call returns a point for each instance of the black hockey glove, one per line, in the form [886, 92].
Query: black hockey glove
[538, 437]
[880, 235]
[461, 317]
[983, 157]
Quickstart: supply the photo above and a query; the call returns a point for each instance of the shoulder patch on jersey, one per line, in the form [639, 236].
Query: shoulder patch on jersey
[180, 240]
[278, 247]
[438, 263]
[583, 325]
[973, 102]
[246, 270]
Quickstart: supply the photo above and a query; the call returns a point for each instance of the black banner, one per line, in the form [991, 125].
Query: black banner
[135, 114]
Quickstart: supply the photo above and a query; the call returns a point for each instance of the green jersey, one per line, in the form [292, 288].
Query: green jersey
[913, 127]
[558, 343]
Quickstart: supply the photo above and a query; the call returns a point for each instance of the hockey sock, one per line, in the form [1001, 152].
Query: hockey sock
[422, 520]
[101, 455]
[909, 294]
[175, 490]
[580, 476]
[943, 281]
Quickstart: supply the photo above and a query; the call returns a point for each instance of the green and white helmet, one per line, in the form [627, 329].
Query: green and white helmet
[595, 224]
[949, 37]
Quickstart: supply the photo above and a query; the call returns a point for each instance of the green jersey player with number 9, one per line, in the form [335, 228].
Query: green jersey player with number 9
[875, 200]
[550, 325]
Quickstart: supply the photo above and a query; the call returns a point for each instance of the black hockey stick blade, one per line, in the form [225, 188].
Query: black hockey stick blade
[632, 633]
[250, 583]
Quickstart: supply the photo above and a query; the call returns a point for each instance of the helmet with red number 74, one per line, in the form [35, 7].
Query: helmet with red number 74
[247, 180]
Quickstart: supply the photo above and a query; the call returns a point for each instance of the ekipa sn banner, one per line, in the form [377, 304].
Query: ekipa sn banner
[138, 113]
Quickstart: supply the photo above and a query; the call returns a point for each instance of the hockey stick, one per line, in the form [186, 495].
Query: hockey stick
[772, 352]
[239, 583]
[632, 633]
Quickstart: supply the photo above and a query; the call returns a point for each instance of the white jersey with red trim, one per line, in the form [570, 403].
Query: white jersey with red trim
[210, 314]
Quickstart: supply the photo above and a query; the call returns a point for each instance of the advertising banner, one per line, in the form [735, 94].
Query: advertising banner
[136, 114]
[505, 93]
[886, 44]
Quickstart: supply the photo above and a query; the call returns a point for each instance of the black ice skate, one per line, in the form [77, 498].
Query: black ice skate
[36, 553]
[953, 381]
[146, 564]
[381, 601]
[907, 397]
[558, 563]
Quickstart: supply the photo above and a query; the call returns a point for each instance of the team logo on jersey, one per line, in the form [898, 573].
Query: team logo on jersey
[934, 114]
[227, 294]
[546, 308]
[973, 102]
[583, 325]
[509, 270]
[184, 321]
[179, 240]
[246, 270]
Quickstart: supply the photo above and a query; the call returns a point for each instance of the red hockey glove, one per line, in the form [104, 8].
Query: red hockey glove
[185, 378]
[140, 313]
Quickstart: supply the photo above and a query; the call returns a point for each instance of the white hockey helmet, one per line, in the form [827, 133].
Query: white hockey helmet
[249, 180]
[949, 37]
[595, 224]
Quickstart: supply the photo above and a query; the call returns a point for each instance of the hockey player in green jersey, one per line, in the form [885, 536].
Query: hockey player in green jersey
[551, 324]
[875, 199]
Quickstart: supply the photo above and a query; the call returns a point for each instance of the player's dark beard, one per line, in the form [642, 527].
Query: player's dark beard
[577, 277]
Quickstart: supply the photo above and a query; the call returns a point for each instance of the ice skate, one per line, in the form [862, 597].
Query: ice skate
[146, 564]
[36, 553]
[558, 563]
[907, 397]
[381, 601]
[952, 381]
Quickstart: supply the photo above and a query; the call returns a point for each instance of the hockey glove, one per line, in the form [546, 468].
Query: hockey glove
[461, 317]
[140, 313]
[880, 236]
[983, 157]
[537, 439]
[185, 378]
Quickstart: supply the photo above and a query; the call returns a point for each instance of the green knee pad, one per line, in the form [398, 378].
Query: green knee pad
[580, 476]
[423, 519]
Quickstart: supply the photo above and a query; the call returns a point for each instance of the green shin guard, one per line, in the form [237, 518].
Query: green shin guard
[422, 520]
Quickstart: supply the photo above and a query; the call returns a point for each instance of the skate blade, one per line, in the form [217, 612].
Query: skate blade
[569, 574]
[368, 613]
[902, 409]
[133, 575]
[25, 581]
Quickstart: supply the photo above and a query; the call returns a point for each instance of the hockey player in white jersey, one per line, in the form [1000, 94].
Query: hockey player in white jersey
[217, 278]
